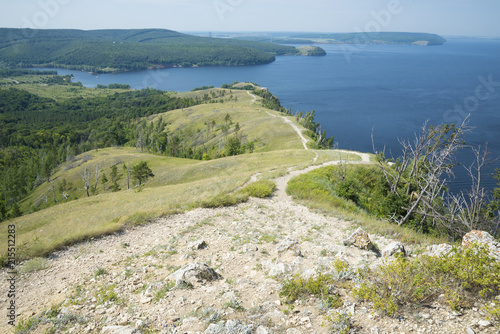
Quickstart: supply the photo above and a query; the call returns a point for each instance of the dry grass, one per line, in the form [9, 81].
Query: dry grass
[180, 184]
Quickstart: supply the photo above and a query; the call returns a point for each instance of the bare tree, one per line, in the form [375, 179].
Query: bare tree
[468, 210]
[342, 171]
[53, 191]
[424, 168]
[86, 179]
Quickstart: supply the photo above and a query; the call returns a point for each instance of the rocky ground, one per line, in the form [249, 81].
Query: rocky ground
[212, 271]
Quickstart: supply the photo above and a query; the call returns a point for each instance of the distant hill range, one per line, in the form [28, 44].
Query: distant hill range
[125, 50]
[405, 38]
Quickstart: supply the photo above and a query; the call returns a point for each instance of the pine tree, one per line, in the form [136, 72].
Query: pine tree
[141, 172]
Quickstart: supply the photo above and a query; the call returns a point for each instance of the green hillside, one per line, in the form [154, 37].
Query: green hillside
[66, 149]
[121, 50]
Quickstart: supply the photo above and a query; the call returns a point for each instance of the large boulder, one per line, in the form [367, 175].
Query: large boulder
[359, 239]
[195, 271]
[482, 238]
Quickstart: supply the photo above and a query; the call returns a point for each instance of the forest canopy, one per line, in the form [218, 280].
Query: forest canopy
[122, 50]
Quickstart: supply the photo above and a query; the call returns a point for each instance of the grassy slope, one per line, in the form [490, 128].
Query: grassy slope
[34, 84]
[178, 183]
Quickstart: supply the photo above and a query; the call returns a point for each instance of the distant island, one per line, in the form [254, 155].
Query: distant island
[403, 38]
[104, 51]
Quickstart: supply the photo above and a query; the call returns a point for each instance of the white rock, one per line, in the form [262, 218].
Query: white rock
[118, 330]
[198, 244]
[289, 244]
[194, 271]
[482, 238]
[281, 269]
[262, 330]
[393, 248]
[484, 323]
[360, 239]
[438, 250]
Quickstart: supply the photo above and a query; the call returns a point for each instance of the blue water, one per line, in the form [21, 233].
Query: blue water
[388, 89]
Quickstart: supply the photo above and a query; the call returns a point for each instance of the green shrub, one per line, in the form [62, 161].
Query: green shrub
[162, 292]
[234, 304]
[260, 189]
[320, 287]
[339, 322]
[107, 293]
[28, 325]
[493, 312]
[462, 275]
[318, 189]
[224, 200]
[100, 271]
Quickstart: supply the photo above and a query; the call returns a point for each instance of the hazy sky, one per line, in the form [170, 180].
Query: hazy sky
[446, 17]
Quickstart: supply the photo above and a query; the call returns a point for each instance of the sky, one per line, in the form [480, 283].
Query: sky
[444, 17]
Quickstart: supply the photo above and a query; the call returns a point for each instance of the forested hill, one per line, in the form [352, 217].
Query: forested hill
[406, 38]
[122, 50]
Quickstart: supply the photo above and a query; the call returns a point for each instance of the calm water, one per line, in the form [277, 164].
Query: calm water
[391, 90]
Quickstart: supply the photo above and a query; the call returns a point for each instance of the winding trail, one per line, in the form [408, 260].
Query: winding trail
[130, 252]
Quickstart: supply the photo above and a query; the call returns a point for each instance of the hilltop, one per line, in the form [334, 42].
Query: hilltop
[244, 227]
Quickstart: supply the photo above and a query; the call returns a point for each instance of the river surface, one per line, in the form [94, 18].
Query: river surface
[390, 90]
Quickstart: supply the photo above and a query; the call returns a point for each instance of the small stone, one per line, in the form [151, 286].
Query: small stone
[114, 329]
[484, 323]
[262, 330]
[139, 324]
[289, 245]
[146, 300]
[394, 248]
[359, 239]
[425, 315]
[198, 244]
[281, 269]
[195, 271]
[188, 320]
[470, 331]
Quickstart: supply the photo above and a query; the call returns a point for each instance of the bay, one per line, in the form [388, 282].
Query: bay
[387, 90]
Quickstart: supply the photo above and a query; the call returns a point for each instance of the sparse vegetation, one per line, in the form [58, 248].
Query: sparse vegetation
[34, 265]
[462, 276]
[322, 287]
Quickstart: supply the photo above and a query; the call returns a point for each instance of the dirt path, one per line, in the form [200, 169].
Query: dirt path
[274, 218]
[121, 280]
